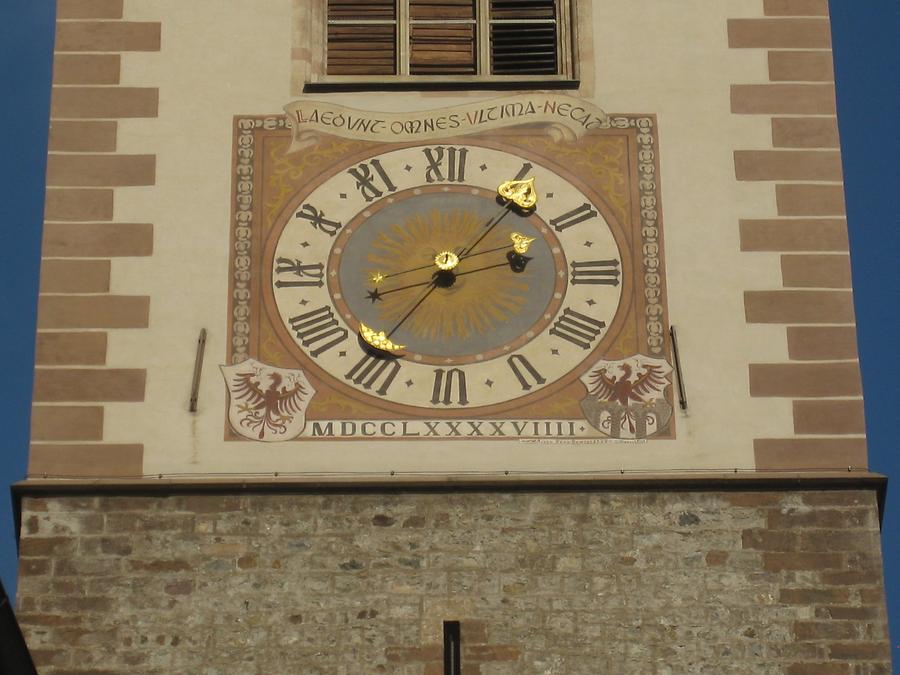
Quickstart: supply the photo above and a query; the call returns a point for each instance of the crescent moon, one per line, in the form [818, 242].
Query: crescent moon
[377, 339]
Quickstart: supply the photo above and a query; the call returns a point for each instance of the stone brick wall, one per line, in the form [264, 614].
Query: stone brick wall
[542, 582]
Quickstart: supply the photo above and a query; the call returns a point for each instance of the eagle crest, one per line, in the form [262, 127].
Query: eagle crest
[267, 403]
[626, 399]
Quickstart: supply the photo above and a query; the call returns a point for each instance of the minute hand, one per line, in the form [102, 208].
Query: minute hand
[520, 193]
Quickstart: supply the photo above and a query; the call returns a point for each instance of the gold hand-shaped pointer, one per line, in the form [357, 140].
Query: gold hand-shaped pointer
[520, 193]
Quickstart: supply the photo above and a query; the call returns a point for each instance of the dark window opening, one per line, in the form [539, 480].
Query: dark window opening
[452, 648]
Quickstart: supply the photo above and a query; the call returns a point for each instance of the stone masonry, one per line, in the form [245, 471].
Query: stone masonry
[542, 582]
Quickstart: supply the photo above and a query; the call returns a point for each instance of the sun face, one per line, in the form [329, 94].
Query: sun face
[390, 258]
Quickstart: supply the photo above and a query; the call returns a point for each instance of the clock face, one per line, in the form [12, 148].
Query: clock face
[496, 320]
[360, 247]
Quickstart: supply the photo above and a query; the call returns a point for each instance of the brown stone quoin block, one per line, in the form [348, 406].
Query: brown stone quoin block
[753, 165]
[788, 99]
[70, 349]
[103, 102]
[99, 136]
[810, 200]
[91, 240]
[816, 271]
[821, 343]
[798, 306]
[88, 461]
[88, 385]
[86, 68]
[795, 7]
[74, 276]
[785, 66]
[100, 170]
[803, 380]
[89, 9]
[807, 453]
[66, 423]
[76, 204]
[93, 311]
[805, 132]
[108, 36]
[778, 33]
[794, 234]
[829, 417]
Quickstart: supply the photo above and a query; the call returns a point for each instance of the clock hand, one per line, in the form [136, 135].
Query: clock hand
[431, 286]
[517, 192]
[447, 261]
[515, 261]
[381, 340]
[520, 193]
[378, 277]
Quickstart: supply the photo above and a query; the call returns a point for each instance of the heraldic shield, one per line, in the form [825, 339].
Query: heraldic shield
[266, 403]
[626, 398]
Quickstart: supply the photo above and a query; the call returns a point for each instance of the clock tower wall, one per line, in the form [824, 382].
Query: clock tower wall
[650, 417]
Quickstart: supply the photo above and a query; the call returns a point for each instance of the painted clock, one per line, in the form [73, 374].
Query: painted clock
[456, 286]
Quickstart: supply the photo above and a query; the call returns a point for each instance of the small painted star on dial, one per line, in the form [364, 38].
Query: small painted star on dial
[489, 383]
[555, 352]
[483, 167]
[591, 302]
[580, 428]
[304, 302]
[408, 383]
[373, 295]
[588, 243]
[304, 244]
[408, 168]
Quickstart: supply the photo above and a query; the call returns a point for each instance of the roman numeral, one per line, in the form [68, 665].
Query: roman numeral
[573, 217]
[310, 275]
[604, 272]
[317, 326]
[577, 328]
[517, 362]
[318, 220]
[444, 388]
[445, 164]
[369, 369]
[366, 180]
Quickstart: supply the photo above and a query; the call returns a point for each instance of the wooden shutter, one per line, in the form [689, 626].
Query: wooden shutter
[362, 37]
[524, 37]
[442, 37]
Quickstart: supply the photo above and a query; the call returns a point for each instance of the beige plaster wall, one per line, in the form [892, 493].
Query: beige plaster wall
[219, 59]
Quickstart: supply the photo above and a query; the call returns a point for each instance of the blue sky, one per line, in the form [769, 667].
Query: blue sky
[868, 71]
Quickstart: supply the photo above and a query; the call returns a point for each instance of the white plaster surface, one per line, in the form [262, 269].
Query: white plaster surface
[663, 57]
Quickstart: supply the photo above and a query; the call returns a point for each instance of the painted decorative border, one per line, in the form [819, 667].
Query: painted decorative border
[243, 229]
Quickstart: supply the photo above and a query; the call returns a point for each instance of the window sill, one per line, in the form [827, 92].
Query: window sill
[431, 83]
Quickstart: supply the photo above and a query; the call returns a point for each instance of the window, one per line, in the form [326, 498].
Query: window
[441, 40]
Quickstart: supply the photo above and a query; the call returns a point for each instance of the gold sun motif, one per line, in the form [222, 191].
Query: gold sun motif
[475, 304]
